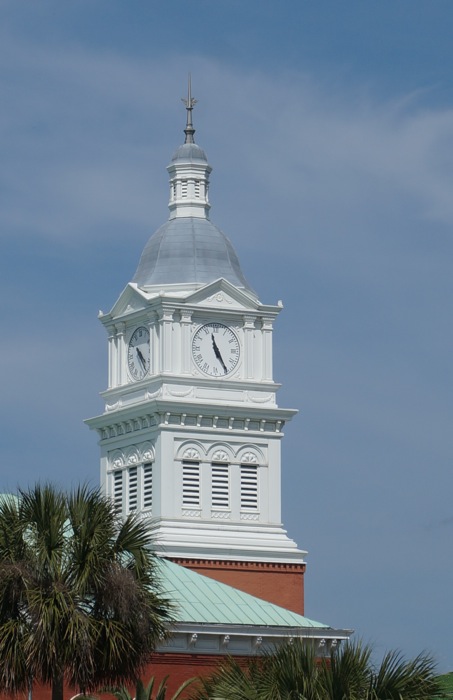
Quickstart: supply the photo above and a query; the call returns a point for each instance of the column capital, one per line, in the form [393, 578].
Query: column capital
[249, 321]
[166, 314]
[186, 315]
[267, 323]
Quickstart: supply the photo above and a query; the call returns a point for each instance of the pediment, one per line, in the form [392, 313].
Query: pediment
[224, 295]
[131, 299]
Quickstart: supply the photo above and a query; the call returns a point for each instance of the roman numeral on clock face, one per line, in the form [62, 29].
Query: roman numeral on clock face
[215, 350]
[138, 354]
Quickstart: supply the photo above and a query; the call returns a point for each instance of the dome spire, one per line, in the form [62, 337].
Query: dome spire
[189, 250]
[189, 172]
[189, 102]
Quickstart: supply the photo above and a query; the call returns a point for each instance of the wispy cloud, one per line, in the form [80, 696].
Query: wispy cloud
[82, 138]
[338, 200]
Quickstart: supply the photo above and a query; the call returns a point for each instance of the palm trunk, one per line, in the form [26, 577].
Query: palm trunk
[57, 687]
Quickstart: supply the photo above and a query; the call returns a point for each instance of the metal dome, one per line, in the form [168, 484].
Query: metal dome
[189, 250]
[189, 152]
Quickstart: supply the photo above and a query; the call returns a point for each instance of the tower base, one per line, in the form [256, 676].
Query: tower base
[278, 583]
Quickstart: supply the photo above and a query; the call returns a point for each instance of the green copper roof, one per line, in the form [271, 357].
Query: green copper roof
[202, 600]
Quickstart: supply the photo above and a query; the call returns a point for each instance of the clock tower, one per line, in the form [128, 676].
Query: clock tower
[191, 432]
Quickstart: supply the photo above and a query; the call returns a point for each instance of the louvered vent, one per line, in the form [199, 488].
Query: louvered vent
[191, 484]
[148, 486]
[249, 487]
[220, 486]
[118, 489]
[132, 489]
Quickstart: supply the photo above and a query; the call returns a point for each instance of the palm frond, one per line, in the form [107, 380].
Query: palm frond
[398, 679]
[293, 672]
[76, 597]
[346, 674]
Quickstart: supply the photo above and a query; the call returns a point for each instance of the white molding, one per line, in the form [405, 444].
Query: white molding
[247, 640]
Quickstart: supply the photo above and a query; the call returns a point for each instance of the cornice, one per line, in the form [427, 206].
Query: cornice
[239, 565]
[193, 417]
[246, 640]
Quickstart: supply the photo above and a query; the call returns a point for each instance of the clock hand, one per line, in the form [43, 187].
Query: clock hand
[217, 353]
[141, 358]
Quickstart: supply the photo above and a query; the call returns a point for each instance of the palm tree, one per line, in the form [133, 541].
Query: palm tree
[79, 592]
[146, 692]
[397, 678]
[293, 672]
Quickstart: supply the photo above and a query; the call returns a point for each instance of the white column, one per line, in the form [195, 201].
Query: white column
[121, 353]
[112, 358]
[153, 344]
[166, 324]
[249, 328]
[186, 324]
[267, 349]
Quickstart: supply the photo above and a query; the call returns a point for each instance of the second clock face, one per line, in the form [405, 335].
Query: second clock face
[215, 349]
[138, 353]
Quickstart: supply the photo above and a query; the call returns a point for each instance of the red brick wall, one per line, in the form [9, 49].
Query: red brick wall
[179, 667]
[282, 584]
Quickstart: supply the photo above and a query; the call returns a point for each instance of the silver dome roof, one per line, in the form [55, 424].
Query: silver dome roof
[188, 250]
[189, 152]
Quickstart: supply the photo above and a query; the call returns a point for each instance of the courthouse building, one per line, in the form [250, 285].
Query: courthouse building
[191, 436]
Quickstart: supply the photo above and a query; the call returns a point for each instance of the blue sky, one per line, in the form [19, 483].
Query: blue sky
[329, 126]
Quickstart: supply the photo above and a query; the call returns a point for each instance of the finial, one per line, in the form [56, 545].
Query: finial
[189, 102]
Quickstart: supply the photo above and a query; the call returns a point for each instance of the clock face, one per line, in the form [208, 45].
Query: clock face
[215, 349]
[138, 354]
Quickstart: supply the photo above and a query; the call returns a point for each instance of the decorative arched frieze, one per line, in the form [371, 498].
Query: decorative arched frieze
[132, 455]
[192, 454]
[135, 454]
[250, 454]
[220, 452]
[249, 458]
[195, 449]
[220, 456]
[147, 452]
[116, 459]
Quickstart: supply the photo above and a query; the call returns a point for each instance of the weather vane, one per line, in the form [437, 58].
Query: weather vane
[189, 102]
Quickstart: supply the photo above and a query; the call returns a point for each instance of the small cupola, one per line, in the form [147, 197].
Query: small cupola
[189, 173]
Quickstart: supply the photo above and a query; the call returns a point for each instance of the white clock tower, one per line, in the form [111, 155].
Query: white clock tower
[191, 432]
